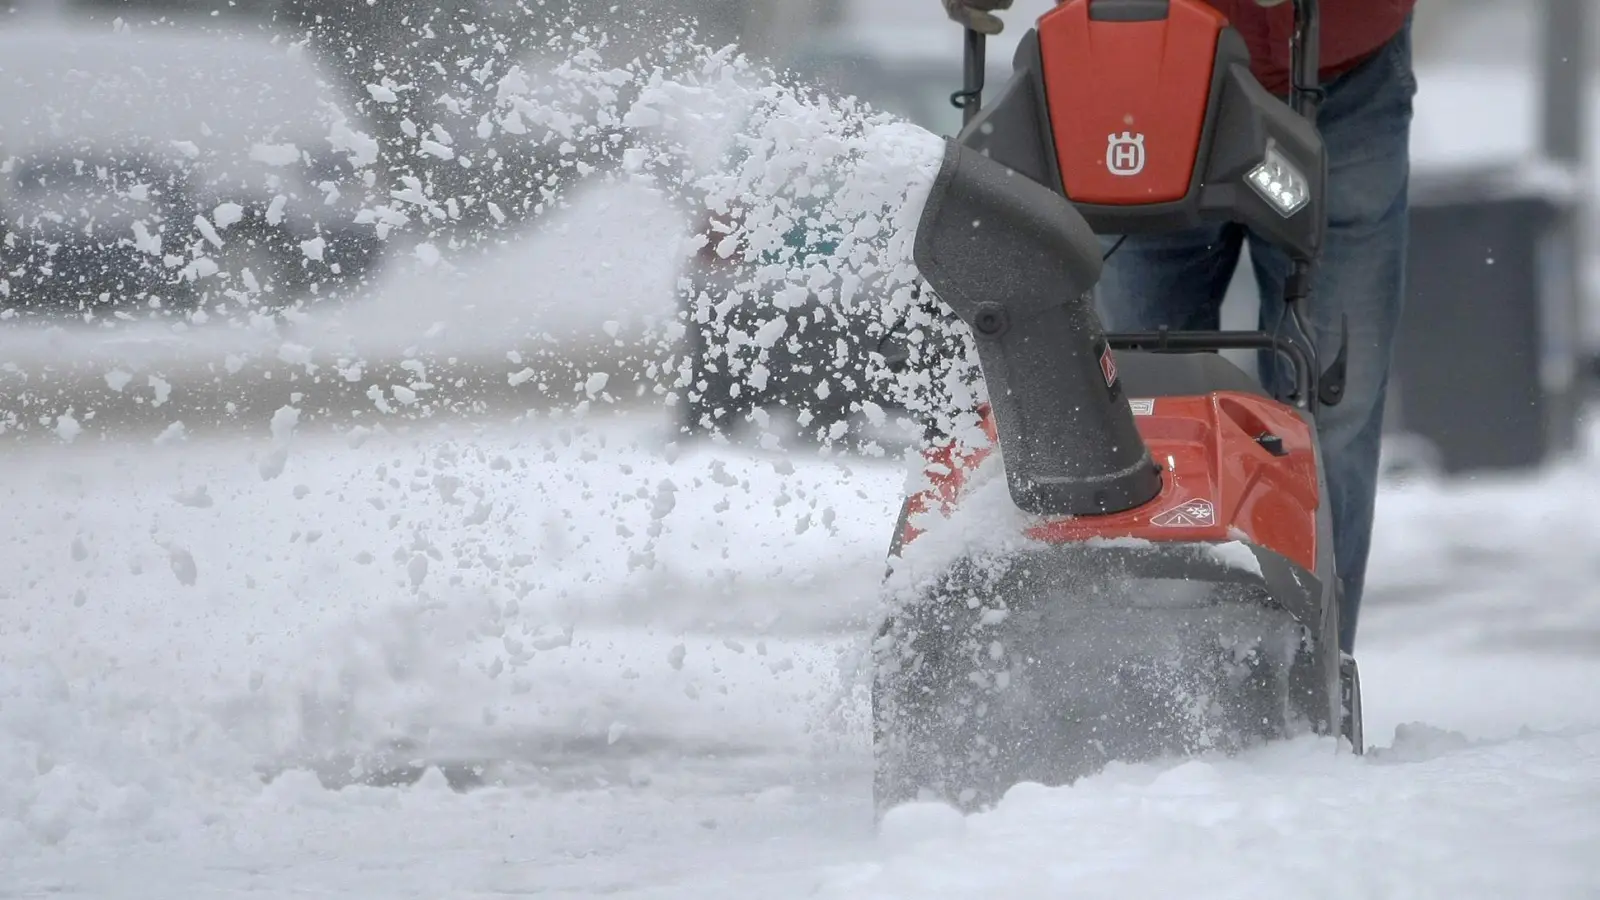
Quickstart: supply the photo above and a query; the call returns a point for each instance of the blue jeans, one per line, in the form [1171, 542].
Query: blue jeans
[1180, 280]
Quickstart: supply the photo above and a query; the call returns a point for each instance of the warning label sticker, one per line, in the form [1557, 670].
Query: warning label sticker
[1143, 407]
[1108, 366]
[1189, 514]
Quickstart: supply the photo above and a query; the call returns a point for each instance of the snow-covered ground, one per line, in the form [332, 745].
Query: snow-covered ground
[636, 661]
[564, 656]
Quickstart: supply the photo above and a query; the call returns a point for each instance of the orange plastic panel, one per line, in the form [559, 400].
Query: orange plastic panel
[1128, 100]
[1218, 482]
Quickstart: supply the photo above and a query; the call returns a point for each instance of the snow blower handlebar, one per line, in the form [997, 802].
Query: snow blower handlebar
[1305, 98]
[1201, 141]
[1305, 59]
[1254, 158]
[970, 98]
[1008, 237]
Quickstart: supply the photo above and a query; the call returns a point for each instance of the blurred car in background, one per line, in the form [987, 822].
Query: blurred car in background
[817, 376]
[171, 168]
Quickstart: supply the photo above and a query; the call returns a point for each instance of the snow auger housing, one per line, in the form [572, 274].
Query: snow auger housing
[1171, 586]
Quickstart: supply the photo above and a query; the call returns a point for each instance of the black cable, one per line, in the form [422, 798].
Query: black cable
[1114, 247]
[1277, 358]
[1295, 313]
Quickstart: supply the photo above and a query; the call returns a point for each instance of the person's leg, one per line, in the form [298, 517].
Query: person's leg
[1177, 280]
[1365, 122]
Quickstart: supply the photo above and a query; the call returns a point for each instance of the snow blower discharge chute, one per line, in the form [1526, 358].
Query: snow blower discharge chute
[1174, 590]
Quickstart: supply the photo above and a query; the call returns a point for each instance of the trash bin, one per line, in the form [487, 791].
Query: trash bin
[1486, 370]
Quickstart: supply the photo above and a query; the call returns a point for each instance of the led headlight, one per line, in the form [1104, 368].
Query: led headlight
[1279, 183]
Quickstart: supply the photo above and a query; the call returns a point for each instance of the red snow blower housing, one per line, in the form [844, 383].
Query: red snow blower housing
[1169, 587]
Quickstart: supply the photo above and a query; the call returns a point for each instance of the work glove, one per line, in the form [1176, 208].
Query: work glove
[977, 14]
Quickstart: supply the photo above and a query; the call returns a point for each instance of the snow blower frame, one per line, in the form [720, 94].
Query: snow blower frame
[1175, 591]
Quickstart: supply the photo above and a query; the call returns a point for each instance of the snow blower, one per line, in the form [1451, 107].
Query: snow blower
[1159, 580]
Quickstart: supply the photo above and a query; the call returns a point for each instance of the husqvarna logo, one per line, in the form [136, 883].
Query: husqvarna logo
[1125, 154]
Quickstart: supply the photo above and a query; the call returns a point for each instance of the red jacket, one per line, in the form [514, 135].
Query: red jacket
[1352, 30]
